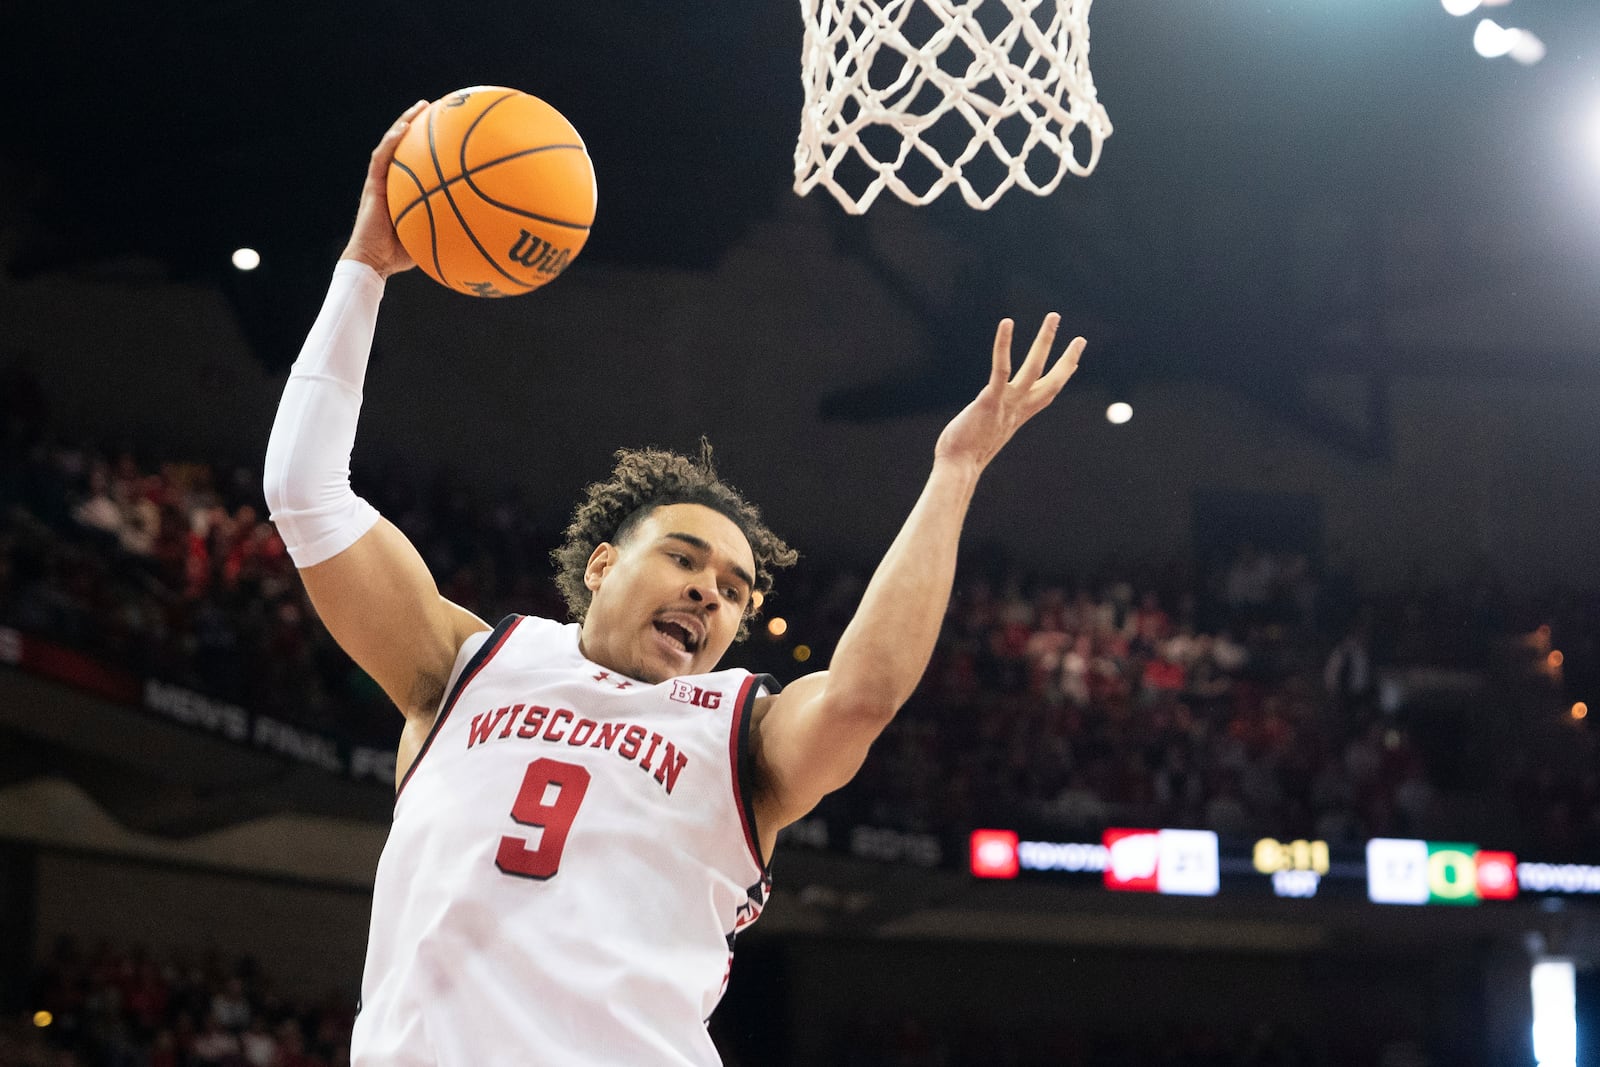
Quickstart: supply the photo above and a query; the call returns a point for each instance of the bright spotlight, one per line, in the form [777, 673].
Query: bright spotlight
[777, 626]
[1492, 40]
[1580, 710]
[1119, 413]
[246, 258]
[1460, 7]
[1526, 49]
[42, 1019]
[1555, 1018]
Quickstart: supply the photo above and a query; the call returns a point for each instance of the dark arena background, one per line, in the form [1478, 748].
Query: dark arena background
[1258, 732]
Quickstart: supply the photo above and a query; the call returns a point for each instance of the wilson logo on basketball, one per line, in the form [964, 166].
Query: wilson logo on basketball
[684, 693]
[539, 255]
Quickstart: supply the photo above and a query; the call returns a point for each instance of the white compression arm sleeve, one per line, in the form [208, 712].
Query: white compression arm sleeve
[307, 470]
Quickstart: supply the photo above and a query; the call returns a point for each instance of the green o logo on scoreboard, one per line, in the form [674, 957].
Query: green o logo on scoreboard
[1452, 873]
[1409, 871]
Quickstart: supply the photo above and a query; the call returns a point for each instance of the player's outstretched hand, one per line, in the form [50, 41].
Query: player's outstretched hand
[985, 425]
[373, 241]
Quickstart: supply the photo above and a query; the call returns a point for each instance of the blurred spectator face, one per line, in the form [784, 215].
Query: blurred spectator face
[259, 1047]
[290, 1040]
[218, 522]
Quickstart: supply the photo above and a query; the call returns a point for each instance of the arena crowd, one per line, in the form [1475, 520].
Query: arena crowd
[1246, 695]
[119, 1006]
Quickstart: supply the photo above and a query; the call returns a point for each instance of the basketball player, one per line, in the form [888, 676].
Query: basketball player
[585, 811]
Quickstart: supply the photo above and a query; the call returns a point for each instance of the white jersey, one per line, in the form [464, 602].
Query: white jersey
[572, 854]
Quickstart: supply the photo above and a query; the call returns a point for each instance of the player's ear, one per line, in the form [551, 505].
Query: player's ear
[600, 562]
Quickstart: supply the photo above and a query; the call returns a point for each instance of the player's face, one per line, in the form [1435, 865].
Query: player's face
[668, 600]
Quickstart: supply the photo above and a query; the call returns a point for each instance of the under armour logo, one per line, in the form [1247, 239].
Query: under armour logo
[604, 676]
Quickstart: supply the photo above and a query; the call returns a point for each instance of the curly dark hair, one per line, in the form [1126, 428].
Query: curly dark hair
[643, 480]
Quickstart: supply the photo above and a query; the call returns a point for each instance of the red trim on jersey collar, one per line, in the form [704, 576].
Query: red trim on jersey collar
[486, 652]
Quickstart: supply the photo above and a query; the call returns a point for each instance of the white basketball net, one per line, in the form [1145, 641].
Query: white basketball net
[1035, 68]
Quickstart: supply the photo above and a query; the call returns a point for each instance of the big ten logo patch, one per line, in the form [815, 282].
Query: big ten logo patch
[684, 693]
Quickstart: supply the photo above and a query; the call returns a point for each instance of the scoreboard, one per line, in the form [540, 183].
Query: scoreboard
[1400, 871]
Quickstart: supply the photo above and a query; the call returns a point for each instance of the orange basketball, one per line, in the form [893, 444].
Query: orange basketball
[491, 191]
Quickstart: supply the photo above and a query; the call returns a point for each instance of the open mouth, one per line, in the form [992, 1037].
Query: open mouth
[678, 634]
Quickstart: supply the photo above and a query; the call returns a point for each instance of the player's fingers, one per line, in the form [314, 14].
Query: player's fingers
[384, 152]
[1033, 366]
[405, 119]
[1000, 371]
[1064, 369]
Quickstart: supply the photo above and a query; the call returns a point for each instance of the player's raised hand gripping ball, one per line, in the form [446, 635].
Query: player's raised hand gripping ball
[491, 191]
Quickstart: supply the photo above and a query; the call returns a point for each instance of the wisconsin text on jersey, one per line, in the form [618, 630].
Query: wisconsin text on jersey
[563, 726]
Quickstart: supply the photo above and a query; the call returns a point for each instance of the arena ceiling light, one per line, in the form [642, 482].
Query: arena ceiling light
[1526, 49]
[1492, 40]
[1467, 7]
